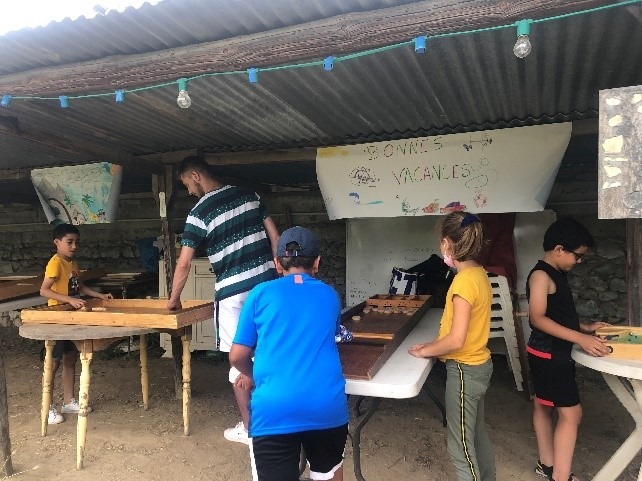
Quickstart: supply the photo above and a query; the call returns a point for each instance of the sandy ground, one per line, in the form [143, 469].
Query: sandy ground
[403, 441]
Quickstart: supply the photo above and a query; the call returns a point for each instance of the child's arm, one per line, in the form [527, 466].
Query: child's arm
[241, 359]
[86, 291]
[454, 340]
[48, 292]
[540, 284]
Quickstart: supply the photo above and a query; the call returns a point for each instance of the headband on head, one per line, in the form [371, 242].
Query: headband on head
[469, 219]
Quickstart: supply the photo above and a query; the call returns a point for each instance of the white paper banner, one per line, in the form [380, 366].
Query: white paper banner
[79, 194]
[508, 170]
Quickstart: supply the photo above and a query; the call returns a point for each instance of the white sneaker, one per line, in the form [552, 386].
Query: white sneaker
[237, 434]
[73, 407]
[54, 417]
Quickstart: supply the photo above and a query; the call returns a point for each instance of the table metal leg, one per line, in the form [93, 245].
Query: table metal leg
[47, 385]
[438, 403]
[633, 444]
[86, 355]
[356, 435]
[187, 374]
[144, 379]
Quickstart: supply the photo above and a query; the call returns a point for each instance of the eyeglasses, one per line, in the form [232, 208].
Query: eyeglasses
[578, 255]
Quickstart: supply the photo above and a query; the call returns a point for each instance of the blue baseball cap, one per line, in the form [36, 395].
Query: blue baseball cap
[308, 243]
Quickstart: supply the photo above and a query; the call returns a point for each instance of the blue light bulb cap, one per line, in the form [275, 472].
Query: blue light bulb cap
[420, 44]
[182, 84]
[523, 27]
[64, 101]
[253, 75]
[6, 100]
[328, 63]
[120, 96]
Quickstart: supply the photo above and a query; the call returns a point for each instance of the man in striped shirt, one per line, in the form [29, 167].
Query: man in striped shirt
[240, 241]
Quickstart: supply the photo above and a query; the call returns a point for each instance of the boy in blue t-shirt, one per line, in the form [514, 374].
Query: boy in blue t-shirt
[298, 398]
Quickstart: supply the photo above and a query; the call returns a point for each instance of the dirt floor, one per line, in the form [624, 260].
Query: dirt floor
[403, 441]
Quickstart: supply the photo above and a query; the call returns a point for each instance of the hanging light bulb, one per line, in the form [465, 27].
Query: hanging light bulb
[523, 44]
[183, 99]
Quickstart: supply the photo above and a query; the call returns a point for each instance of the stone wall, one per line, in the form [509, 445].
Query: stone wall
[28, 244]
[599, 283]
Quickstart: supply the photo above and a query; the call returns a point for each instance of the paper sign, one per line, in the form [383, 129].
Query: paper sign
[507, 170]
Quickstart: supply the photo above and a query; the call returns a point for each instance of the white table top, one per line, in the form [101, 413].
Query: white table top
[403, 375]
[617, 367]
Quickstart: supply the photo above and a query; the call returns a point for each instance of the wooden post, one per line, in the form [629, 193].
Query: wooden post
[5, 441]
[633, 270]
[164, 189]
[144, 380]
[47, 385]
[187, 377]
[86, 355]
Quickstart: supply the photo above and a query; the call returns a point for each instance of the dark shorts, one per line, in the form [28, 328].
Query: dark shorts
[277, 457]
[63, 347]
[553, 380]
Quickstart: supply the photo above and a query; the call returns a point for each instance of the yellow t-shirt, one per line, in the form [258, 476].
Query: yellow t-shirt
[471, 284]
[65, 274]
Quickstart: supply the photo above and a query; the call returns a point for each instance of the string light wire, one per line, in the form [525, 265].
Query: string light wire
[336, 59]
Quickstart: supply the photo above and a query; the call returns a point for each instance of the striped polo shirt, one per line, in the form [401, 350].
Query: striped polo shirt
[229, 222]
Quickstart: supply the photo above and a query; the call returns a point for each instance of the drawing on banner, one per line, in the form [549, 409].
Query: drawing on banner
[79, 194]
[431, 208]
[435, 175]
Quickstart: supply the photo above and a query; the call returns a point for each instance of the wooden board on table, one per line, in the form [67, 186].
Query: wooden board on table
[360, 361]
[376, 336]
[625, 341]
[397, 300]
[144, 313]
[29, 286]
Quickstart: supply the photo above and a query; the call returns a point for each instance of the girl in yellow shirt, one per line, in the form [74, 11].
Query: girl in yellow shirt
[462, 345]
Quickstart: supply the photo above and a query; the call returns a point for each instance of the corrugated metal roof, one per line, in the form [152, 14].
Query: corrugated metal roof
[169, 24]
[465, 83]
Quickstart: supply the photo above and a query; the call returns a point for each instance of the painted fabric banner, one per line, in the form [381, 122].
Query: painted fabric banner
[79, 194]
[507, 170]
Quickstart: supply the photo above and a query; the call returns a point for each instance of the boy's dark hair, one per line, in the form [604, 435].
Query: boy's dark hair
[61, 230]
[191, 163]
[568, 233]
[295, 261]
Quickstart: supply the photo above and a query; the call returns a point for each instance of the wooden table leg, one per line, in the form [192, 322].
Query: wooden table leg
[86, 355]
[187, 374]
[144, 380]
[47, 385]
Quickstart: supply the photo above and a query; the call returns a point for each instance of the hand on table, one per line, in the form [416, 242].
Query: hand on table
[106, 297]
[174, 305]
[593, 326]
[417, 350]
[76, 303]
[593, 345]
